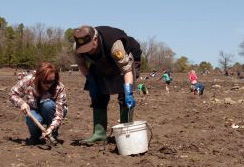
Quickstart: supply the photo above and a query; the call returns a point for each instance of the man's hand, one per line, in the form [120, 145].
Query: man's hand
[129, 99]
[25, 108]
[93, 87]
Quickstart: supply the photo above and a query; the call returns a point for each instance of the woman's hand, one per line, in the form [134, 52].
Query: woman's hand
[25, 108]
[48, 131]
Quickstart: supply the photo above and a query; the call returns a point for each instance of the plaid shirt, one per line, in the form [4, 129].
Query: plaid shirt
[26, 88]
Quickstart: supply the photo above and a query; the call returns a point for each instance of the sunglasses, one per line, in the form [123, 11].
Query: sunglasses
[48, 82]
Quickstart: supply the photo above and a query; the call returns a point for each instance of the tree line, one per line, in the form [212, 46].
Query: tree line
[24, 47]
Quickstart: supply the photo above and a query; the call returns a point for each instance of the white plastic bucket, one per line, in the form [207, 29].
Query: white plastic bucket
[131, 138]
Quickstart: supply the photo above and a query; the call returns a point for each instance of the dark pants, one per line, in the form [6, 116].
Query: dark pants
[103, 100]
[44, 115]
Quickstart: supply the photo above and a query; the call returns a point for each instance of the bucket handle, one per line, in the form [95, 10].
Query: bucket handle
[151, 136]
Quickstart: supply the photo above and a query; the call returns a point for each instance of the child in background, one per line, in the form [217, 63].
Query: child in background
[193, 79]
[154, 74]
[199, 88]
[142, 89]
[167, 79]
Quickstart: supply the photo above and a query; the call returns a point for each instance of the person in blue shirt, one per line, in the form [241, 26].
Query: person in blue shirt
[199, 88]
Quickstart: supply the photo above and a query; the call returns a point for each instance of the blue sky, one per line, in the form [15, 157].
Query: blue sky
[197, 29]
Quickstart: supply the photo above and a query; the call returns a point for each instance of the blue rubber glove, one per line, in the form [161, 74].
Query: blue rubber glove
[93, 87]
[129, 99]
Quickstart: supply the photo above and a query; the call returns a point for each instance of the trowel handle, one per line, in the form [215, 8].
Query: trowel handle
[36, 121]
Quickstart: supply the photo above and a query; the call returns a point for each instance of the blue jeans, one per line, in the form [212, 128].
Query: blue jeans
[44, 115]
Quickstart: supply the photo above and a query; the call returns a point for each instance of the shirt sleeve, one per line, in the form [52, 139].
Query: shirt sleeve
[123, 60]
[61, 105]
[164, 77]
[17, 92]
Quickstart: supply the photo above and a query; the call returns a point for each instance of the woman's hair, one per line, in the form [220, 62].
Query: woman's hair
[42, 71]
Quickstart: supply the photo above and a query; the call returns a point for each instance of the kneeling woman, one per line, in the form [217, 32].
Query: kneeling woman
[45, 98]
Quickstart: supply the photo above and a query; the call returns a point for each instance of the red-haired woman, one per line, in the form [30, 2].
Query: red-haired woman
[45, 98]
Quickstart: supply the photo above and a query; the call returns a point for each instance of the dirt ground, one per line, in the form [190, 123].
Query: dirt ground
[188, 130]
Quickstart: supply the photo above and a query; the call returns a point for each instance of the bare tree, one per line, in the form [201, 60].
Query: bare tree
[148, 49]
[2, 39]
[28, 37]
[64, 60]
[163, 56]
[3, 25]
[157, 54]
[54, 35]
[39, 31]
[225, 60]
[242, 49]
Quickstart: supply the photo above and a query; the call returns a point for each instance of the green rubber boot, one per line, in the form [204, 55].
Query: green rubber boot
[124, 114]
[100, 126]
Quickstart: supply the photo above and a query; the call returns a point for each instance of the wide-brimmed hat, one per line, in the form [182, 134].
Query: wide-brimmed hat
[84, 37]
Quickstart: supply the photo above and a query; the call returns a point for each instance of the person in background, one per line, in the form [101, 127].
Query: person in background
[166, 78]
[226, 73]
[114, 60]
[154, 74]
[42, 94]
[199, 88]
[142, 89]
[239, 75]
[193, 79]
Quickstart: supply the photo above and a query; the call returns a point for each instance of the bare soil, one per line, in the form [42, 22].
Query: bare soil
[188, 130]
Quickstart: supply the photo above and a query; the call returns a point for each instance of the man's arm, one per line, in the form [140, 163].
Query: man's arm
[125, 62]
[93, 87]
[81, 64]
[84, 70]
[128, 77]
